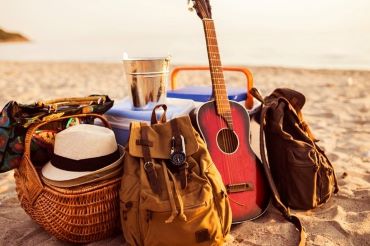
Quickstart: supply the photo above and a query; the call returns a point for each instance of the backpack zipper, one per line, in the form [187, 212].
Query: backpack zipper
[203, 204]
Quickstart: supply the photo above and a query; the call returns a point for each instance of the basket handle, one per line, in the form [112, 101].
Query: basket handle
[71, 101]
[244, 70]
[34, 127]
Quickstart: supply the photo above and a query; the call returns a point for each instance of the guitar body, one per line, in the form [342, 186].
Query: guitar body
[230, 150]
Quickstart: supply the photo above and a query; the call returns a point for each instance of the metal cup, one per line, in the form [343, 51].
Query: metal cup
[148, 78]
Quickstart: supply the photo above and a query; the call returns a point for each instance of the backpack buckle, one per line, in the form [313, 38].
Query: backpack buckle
[148, 166]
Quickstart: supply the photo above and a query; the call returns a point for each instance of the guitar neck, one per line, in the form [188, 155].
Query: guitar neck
[217, 75]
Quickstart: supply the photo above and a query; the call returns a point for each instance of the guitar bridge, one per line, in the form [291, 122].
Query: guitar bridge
[234, 188]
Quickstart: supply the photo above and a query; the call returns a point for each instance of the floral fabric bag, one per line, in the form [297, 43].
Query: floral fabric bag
[15, 119]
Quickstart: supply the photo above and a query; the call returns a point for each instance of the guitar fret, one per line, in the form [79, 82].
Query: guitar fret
[224, 111]
[222, 97]
[222, 107]
[218, 82]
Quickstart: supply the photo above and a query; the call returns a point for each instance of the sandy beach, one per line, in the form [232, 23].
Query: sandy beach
[337, 109]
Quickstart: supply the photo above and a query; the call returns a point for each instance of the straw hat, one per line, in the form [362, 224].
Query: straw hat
[83, 153]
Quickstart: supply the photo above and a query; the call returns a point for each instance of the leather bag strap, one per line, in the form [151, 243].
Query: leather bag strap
[55, 104]
[278, 203]
[163, 119]
[148, 162]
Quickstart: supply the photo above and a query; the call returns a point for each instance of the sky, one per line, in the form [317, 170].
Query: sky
[76, 19]
[342, 26]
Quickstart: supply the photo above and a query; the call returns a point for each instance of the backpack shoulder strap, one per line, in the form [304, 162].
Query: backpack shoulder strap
[278, 203]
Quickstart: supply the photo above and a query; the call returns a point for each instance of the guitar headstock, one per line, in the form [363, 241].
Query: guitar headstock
[202, 7]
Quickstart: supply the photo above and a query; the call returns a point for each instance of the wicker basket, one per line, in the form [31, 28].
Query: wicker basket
[80, 215]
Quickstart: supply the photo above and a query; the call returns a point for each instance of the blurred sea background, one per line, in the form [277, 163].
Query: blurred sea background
[311, 34]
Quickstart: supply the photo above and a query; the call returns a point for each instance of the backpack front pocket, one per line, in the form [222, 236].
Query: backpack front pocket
[196, 216]
[129, 209]
[200, 228]
[303, 177]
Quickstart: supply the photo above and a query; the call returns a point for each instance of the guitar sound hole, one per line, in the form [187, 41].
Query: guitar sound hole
[227, 140]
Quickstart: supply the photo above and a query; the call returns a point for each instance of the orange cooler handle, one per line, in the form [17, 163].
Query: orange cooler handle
[245, 71]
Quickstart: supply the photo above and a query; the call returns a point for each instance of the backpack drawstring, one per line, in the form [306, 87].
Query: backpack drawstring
[179, 199]
[174, 211]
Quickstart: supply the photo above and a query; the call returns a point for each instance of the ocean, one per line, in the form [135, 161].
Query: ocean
[319, 51]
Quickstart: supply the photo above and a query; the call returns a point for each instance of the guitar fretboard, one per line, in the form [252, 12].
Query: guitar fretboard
[217, 75]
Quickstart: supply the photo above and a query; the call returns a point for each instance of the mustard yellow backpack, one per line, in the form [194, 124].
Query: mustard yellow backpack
[171, 192]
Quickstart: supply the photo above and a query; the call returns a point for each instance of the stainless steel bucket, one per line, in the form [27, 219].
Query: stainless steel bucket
[148, 78]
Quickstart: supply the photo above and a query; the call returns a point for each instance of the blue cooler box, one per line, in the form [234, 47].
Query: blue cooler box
[121, 115]
[202, 94]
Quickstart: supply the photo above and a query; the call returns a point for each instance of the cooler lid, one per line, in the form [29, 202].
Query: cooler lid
[123, 110]
[204, 93]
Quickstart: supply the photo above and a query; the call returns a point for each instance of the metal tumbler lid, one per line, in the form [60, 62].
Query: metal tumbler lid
[146, 66]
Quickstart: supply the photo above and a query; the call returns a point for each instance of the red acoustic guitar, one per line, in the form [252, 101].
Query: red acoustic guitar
[224, 125]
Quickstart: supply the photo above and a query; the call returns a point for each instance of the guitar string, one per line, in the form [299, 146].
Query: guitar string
[221, 89]
[228, 106]
[221, 101]
[210, 52]
[231, 142]
[216, 78]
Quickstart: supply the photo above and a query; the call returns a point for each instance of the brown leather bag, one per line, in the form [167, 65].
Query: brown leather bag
[299, 173]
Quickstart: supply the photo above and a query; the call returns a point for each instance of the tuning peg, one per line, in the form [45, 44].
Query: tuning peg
[190, 5]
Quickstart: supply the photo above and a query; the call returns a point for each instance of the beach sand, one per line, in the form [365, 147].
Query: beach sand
[337, 109]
